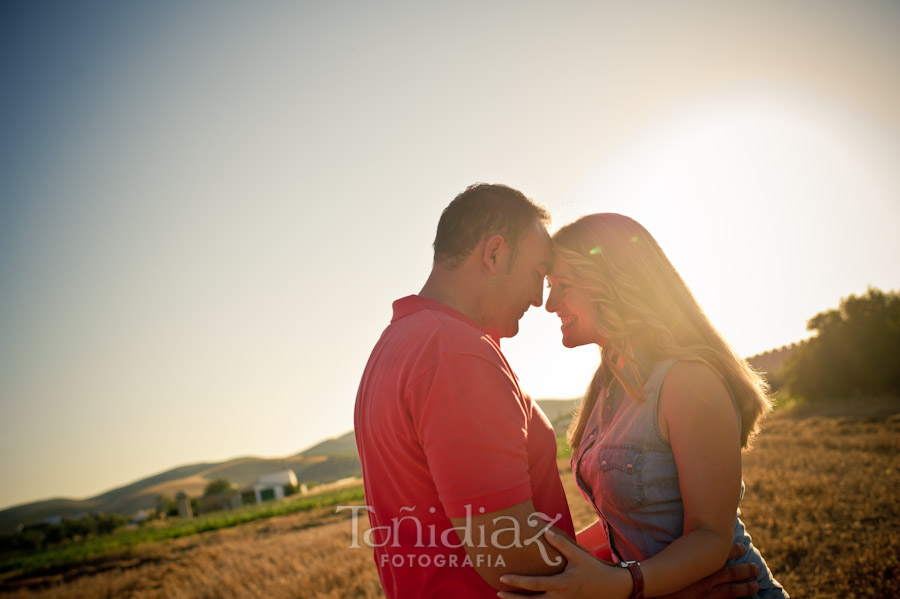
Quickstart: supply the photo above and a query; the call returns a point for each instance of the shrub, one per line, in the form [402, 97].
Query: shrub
[853, 352]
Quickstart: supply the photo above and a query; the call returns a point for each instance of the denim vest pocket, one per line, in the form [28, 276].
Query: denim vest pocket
[620, 469]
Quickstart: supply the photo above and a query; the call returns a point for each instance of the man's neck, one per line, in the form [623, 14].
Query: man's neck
[454, 288]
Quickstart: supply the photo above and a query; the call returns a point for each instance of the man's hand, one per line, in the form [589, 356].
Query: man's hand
[731, 582]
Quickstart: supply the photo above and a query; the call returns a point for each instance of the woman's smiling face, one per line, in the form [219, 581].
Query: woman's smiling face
[576, 311]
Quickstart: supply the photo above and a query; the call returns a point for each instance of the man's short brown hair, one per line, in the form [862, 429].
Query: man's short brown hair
[477, 213]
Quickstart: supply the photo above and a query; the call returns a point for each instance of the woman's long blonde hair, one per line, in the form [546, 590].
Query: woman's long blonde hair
[644, 306]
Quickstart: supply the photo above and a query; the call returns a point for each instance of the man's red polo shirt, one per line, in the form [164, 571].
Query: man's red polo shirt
[443, 427]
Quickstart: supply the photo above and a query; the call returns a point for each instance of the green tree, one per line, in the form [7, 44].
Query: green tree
[108, 523]
[80, 527]
[166, 505]
[855, 350]
[31, 539]
[219, 485]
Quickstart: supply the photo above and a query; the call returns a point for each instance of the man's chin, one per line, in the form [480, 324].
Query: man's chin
[509, 332]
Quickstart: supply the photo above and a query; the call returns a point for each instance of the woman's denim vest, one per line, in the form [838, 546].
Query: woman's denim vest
[626, 469]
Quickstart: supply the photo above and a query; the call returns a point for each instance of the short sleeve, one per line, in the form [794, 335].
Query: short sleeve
[472, 422]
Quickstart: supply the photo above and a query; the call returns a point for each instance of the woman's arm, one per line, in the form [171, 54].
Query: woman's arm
[698, 418]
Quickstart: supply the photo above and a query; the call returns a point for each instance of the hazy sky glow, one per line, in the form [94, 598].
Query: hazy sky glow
[206, 210]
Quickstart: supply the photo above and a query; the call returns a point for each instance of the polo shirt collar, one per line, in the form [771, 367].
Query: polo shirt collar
[415, 303]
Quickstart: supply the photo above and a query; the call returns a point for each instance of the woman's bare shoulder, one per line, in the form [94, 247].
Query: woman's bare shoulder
[692, 381]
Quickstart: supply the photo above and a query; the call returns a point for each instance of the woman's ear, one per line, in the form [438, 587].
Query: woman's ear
[495, 254]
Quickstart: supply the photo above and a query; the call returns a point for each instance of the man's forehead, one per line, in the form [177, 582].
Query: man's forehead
[547, 262]
[547, 250]
[539, 245]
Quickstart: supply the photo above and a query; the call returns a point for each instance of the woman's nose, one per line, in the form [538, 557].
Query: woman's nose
[551, 301]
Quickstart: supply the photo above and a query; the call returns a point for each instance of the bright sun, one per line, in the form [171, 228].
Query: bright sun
[748, 194]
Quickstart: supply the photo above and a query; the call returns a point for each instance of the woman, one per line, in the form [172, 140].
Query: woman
[657, 441]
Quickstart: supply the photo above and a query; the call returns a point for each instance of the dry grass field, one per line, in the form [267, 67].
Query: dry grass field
[821, 504]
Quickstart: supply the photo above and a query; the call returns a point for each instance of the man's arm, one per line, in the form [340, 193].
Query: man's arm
[473, 428]
[510, 540]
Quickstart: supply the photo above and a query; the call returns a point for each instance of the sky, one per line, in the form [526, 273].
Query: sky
[207, 208]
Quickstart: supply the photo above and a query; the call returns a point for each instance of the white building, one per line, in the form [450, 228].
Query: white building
[271, 486]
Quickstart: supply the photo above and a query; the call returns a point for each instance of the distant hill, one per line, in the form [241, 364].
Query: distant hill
[344, 445]
[325, 462]
[559, 412]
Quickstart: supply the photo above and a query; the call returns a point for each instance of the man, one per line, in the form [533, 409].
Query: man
[459, 463]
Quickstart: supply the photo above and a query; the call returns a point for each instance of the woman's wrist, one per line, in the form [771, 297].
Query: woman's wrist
[637, 579]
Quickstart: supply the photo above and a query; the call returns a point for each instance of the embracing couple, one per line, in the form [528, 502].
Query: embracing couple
[463, 490]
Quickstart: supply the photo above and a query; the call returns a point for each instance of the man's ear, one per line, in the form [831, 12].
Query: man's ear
[495, 253]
